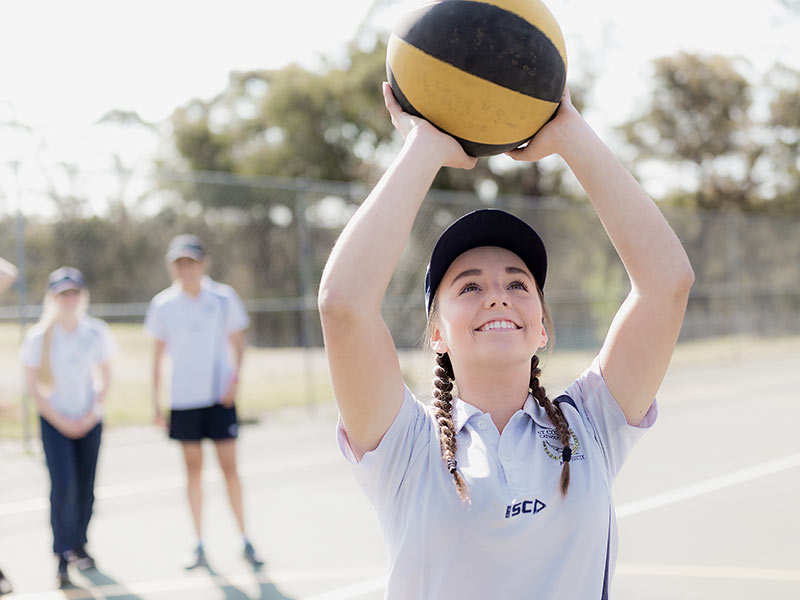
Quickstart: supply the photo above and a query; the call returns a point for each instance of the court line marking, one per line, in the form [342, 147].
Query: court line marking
[203, 580]
[353, 590]
[653, 502]
[709, 571]
[176, 482]
[709, 485]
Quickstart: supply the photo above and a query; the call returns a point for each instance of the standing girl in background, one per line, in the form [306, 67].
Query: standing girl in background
[61, 354]
[8, 275]
[198, 322]
[496, 491]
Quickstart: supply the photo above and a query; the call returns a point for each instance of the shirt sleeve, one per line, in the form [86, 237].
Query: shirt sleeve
[236, 318]
[108, 345]
[30, 352]
[154, 321]
[606, 419]
[383, 470]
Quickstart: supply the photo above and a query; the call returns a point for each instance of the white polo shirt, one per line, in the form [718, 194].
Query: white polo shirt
[195, 330]
[73, 357]
[518, 539]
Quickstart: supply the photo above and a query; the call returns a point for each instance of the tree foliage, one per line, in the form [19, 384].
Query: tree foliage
[702, 119]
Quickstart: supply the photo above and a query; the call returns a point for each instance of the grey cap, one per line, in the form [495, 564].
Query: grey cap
[185, 246]
[65, 278]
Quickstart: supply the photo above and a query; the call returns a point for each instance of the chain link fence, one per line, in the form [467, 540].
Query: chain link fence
[270, 238]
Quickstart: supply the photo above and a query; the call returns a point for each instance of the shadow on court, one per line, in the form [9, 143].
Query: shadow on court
[109, 588]
[267, 589]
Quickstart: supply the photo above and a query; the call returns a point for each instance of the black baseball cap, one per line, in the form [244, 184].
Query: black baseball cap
[485, 227]
[185, 245]
[65, 278]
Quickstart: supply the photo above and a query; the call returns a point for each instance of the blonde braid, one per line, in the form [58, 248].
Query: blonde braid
[443, 413]
[556, 416]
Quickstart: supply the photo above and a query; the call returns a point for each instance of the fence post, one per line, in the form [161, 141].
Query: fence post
[22, 295]
[734, 270]
[306, 286]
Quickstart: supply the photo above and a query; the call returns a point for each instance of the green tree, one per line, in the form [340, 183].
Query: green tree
[699, 120]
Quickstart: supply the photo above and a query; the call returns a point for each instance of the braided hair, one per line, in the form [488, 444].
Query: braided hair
[443, 413]
[553, 411]
[443, 405]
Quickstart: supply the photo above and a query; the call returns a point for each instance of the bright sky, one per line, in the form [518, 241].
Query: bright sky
[63, 65]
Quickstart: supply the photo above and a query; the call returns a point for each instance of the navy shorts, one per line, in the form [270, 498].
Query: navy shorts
[215, 422]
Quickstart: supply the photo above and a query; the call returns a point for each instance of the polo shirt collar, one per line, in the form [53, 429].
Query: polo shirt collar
[537, 413]
[463, 412]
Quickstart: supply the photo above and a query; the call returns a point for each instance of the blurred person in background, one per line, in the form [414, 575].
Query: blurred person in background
[200, 324]
[62, 354]
[8, 275]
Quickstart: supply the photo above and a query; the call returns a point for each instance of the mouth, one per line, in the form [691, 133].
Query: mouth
[498, 325]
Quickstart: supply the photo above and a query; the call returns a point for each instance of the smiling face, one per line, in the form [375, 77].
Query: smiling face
[488, 309]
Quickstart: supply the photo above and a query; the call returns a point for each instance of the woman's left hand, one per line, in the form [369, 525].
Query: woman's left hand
[553, 135]
[87, 422]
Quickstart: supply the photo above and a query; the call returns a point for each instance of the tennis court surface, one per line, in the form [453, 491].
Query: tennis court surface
[707, 505]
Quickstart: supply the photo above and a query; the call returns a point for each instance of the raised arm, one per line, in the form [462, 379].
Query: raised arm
[365, 371]
[637, 350]
[8, 275]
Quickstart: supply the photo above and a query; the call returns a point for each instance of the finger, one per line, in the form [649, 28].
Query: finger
[391, 102]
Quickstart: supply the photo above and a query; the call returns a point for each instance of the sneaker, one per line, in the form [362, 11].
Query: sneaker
[251, 556]
[5, 585]
[198, 559]
[83, 560]
[62, 576]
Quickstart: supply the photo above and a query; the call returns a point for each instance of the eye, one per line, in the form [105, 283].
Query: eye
[470, 287]
[518, 285]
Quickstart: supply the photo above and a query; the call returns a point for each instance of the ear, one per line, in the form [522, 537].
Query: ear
[438, 344]
[543, 339]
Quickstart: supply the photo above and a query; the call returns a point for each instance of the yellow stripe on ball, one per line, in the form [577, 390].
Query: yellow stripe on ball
[462, 104]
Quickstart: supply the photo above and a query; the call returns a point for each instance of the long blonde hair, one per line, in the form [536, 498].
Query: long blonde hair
[46, 323]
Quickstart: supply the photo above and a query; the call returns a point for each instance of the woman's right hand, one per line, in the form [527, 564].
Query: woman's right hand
[447, 150]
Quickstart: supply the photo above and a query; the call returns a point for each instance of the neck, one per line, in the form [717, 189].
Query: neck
[68, 321]
[191, 287]
[500, 390]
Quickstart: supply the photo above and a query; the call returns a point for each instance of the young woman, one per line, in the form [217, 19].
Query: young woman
[496, 491]
[61, 355]
[198, 322]
[8, 275]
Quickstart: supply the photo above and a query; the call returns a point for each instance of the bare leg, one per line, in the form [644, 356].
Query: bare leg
[226, 453]
[193, 455]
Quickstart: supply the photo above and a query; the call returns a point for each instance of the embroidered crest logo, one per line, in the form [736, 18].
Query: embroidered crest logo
[553, 447]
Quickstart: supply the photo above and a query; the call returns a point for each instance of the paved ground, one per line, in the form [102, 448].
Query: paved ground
[707, 506]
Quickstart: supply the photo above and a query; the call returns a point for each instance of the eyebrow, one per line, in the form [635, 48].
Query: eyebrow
[467, 273]
[477, 272]
[518, 270]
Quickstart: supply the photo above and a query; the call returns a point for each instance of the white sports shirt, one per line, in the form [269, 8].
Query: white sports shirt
[73, 357]
[196, 330]
[518, 539]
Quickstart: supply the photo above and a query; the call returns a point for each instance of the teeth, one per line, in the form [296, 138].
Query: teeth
[492, 325]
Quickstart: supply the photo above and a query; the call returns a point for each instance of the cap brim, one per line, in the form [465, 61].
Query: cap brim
[63, 286]
[174, 255]
[486, 227]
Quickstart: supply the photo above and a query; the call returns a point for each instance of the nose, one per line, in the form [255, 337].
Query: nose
[497, 297]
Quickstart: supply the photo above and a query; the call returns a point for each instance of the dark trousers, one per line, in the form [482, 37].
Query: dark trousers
[72, 465]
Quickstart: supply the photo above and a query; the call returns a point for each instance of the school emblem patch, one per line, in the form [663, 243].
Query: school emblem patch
[553, 447]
